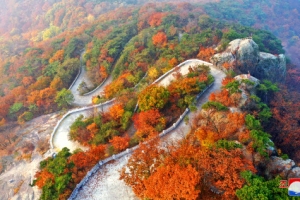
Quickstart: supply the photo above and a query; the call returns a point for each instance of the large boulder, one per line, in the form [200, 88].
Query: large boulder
[242, 53]
[271, 67]
[247, 88]
[278, 166]
[244, 56]
[294, 173]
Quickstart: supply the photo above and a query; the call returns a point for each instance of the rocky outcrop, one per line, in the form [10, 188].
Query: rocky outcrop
[278, 166]
[285, 168]
[294, 173]
[247, 88]
[271, 67]
[244, 56]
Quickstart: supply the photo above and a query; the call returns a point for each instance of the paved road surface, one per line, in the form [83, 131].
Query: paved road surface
[85, 100]
[105, 184]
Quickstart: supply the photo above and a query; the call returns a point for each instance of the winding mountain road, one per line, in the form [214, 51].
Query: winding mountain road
[105, 184]
[60, 138]
[86, 99]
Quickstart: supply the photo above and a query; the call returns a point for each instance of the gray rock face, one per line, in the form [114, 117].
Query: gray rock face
[246, 54]
[243, 55]
[271, 66]
[247, 89]
[278, 166]
[220, 58]
[294, 173]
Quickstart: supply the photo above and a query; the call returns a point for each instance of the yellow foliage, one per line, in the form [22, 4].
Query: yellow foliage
[90, 18]
[153, 73]
[95, 100]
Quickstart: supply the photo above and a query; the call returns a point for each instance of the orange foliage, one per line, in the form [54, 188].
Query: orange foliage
[18, 94]
[33, 97]
[244, 137]
[184, 85]
[227, 80]
[212, 97]
[93, 129]
[156, 19]
[206, 136]
[185, 170]
[141, 165]
[225, 98]
[160, 39]
[120, 143]
[227, 65]
[203, 78]
[58, 56]
[27, 80]
[41, 83]
[173, 62]
[113, 88]
[172, 182]
[46, 97]
[205, 53]
[86, 160]
[172, 46]
[42, 177]
[286, 114]
[116, 111]
[221, 169]
[81, 160]
[97, 153]
[148, 123]
[103, 72]
[117, 85]
[218, 125]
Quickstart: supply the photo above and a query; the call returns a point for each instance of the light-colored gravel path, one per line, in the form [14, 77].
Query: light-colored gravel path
[61, 136]
[85, 100]
[105, 184]
[183, 70]
[185, 128]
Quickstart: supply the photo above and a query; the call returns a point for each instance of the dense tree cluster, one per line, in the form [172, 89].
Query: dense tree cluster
[125, 42]
[58, 176]
[40, 55]
[213, 161]
[100, 128]
[265, 14]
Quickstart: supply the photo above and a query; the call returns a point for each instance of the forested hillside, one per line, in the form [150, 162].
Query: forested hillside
[282, 18]
[44, 44]
[40, 51]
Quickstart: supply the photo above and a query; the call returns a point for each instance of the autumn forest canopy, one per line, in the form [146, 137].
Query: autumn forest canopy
[44, 45]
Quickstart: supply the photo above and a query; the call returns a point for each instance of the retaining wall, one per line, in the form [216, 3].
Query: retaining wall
[180, 65]
[130, 150]
[75, 111]
[85, 94]
[171, 71]
[79, 72]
